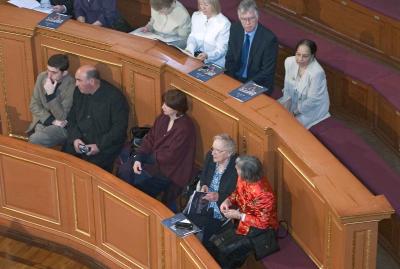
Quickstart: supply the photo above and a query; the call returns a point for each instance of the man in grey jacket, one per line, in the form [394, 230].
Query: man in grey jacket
[51, 102]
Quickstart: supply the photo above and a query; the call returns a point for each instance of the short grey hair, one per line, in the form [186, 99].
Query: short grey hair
[246, 6]
[230, 145]
[250, 168]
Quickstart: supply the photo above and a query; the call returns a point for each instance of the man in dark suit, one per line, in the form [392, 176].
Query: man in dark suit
[252, 48]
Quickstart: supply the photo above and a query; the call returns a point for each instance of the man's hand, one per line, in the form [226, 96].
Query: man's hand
[81, 19]
[60, 9]
[97, 23]
[49, 86]
[93, 149]
[78, 142]
[137, 167]
[60, 123]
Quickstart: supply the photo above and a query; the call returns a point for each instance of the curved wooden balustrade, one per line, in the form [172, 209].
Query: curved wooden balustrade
[63, 199]
[330, 213]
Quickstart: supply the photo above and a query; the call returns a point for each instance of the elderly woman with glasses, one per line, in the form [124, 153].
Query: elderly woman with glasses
[169, 18]
[208, 40]
[253, 207]
[218, 180]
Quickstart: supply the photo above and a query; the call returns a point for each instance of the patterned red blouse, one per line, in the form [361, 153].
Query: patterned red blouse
[257, 201]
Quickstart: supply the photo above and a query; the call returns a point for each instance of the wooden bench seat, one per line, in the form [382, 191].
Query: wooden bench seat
[360, 159]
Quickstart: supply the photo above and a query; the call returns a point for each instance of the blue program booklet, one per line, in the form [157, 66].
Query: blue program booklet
[180, 225]
[206, 72]
[53, 20]
[247, 91]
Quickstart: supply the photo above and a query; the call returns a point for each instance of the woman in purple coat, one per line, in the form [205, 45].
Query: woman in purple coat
[164, 161]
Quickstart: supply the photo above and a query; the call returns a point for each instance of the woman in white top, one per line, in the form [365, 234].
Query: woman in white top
[305, 93]
[208, 40]
[169, 18]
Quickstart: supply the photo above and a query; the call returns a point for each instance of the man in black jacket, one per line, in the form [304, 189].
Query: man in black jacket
[98, 119]
[252, 48]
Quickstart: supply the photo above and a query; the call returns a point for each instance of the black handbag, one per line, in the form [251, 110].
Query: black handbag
[137, 134]
[229, 249]
[264, 242]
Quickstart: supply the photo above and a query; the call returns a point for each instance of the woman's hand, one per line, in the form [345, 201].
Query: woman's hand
[211, 196]
[137, 167]
[225, 205]
[202, 56]
[204, 188]
[145, 29]
[232, 214]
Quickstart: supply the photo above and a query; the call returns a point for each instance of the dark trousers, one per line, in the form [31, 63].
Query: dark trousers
[151, 185]
[207, 223]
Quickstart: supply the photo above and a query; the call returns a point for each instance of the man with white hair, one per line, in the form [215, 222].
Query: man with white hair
[252, 48]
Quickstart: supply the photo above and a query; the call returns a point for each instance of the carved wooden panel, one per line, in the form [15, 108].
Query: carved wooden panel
[347, 21]
[109, 67]
[296, 7]
[280, 67]
[147, 97]
[82, 205]
[387, 123]
[357, 99]
[395, 46]
[209, 121]
[42, 204]
[188, 259]
[120, 225]
[334, 88]
[295, 191]
[16, 83]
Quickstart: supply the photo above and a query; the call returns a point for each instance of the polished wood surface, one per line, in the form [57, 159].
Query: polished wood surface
[330, 213]
[364, 29]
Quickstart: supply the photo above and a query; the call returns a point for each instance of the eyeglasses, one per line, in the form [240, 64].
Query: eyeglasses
[248, 19]
[217, 150]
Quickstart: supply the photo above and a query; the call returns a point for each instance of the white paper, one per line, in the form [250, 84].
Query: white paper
[31, 4]
[47, 10]
[155, 36]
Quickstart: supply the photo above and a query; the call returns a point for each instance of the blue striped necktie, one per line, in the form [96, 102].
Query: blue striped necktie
[244, 56]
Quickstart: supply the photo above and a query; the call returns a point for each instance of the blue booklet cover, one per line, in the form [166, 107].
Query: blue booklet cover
[206, 72]
[179, 230]
[53, 20]
[247, 91]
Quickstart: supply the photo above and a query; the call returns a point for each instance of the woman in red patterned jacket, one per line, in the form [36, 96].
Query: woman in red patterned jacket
[253, 206]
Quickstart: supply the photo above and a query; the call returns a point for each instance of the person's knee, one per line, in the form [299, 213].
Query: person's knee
[38, 139]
